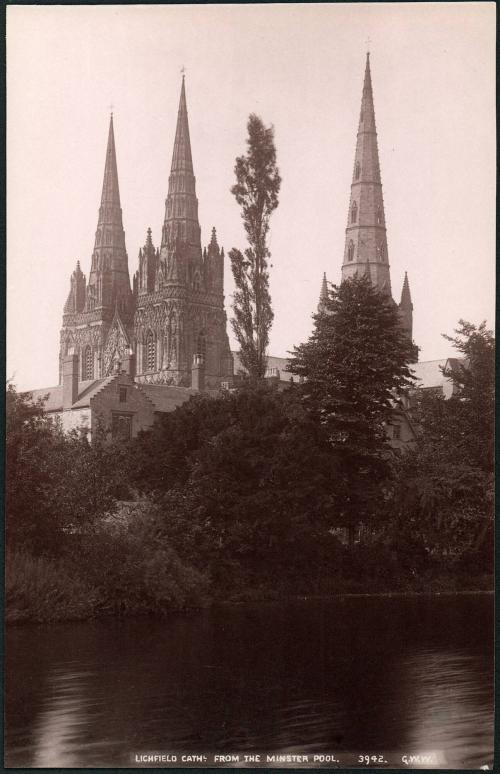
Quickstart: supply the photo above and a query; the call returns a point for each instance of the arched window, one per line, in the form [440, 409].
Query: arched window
[201, 345]
[87, 363]
[197, 281]
[350, 251]
[379, 216]
[150, 352]
[354, 212]
[357, 170]
[381, 252]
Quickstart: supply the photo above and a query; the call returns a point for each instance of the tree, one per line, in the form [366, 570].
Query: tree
[56, 483]
[354, 366]
[446, 490]
[256, 191]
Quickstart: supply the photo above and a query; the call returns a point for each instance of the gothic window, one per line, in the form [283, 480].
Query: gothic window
[379, 216]
[150, 352]
[354, 212]
[88, 363]
[350, 251]
[357, 170]
[197, 281]
[201, 345]
[396, 432]
[381, 252]
[122, 393]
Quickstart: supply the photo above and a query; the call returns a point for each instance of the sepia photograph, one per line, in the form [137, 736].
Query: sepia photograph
[250, 386]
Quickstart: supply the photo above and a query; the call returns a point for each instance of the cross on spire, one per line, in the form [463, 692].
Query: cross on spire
[183, 71]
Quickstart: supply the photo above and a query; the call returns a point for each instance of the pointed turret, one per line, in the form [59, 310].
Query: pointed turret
[181, 206]
[406, 313]
[109, 280]
[148, 259]
[366, 238]
[323, 296]
[76, 298]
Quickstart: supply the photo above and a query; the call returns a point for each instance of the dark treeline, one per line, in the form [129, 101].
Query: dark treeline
[260, 492]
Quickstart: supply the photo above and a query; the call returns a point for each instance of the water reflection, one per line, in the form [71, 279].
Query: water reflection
[318, 676]
[451, 707]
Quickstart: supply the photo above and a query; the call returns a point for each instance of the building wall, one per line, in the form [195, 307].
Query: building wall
[106, 406]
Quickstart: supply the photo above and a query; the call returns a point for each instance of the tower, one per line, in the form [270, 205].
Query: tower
[97, 313]
[179, 289]
[365, 251]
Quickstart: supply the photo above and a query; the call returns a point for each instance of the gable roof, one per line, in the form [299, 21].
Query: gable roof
[166, 397]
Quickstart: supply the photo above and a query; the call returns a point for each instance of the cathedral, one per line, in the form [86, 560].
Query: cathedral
[170, 321]
[130, 351]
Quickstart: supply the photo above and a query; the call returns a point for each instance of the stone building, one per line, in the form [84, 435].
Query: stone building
[172, 316]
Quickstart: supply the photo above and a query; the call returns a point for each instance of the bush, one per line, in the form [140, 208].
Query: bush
[38, 589]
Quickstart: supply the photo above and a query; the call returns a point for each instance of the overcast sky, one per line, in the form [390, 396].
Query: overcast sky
[300, 67]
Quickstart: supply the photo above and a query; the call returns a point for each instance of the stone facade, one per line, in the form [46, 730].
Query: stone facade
[174, 311]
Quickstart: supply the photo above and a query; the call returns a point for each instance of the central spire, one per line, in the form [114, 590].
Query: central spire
[366, 239]
[181, 207]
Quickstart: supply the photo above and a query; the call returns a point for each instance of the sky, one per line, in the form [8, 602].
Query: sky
[300, 67]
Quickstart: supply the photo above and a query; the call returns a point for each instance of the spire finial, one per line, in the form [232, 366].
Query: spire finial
[183, 72]
[368, 41]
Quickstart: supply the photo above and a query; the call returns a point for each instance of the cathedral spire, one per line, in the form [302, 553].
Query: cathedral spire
[181, 207]
[109, 281]
[405, 294]
[406, 313]
[366, 239]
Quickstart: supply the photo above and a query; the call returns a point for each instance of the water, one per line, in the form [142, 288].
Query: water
[362, 675]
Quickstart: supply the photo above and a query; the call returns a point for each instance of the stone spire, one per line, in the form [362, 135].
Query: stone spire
[181, 207]
[323, 296]
[366, 239]
[109, 282]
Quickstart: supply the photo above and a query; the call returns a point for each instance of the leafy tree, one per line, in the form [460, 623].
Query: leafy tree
[56, 483]
[354, 366]
[446, 489]
[256, 191]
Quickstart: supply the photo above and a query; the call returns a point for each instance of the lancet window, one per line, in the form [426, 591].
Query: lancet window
[88, 363]
[150, 351]
[350, 251]
[354, 212]
[357, 171]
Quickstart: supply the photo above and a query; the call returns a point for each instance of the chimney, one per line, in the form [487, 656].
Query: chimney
[198, 373]
[128, 364]
[70, 380]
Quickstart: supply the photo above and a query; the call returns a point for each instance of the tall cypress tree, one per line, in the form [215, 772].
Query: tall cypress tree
[256, 191]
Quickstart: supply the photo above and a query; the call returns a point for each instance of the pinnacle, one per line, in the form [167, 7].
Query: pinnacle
[213, 240]
[405, 292]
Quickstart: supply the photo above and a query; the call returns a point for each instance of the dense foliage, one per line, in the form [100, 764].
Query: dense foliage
[256, 191]
[253, 493]
[446, 482]
[354, 369]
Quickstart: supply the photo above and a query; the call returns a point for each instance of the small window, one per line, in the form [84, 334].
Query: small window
[350, 251]
[357, 171]
[380, 218]
[396, 432]
[122, 391]
[354, 212]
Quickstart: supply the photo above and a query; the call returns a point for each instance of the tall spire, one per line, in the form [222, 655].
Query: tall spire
[405, 294]
[109, 281]
[181, 207]
[366, 239]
